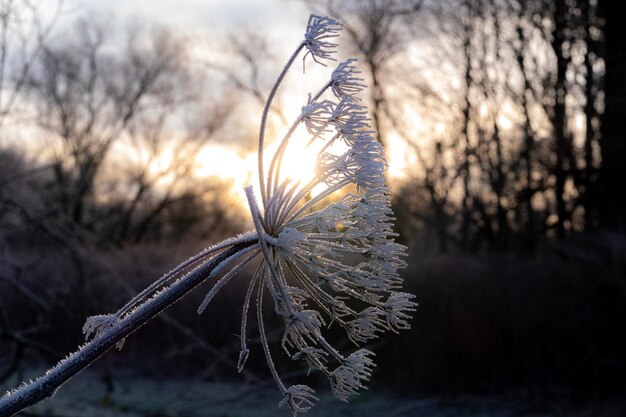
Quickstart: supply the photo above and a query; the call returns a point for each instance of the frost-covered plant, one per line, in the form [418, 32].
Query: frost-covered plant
[326, 249]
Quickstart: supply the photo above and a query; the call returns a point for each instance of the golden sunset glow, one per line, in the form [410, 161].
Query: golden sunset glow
[233, 164]
[239, 167]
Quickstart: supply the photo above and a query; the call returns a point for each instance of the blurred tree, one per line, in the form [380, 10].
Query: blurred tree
[512, 93]
[138, 100]
[155, 188]
[86, 97]
[377, 31]
[122, 118]
[244, 62]
[22, 33]
[557, 13]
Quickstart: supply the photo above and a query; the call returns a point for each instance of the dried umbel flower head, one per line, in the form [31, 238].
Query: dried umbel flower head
[329, 256]
[345, 80]
[326, 249]
[319, 32]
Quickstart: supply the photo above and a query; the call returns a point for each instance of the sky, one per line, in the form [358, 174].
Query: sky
[201, 20]
[278, 19]
[200, 15]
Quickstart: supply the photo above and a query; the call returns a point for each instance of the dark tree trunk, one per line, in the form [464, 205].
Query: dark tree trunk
[612, 207]
[526, 155]
[558, 114]
[466, 202]
[591, 90]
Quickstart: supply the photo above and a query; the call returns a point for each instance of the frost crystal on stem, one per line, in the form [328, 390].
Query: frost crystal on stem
[345, 81]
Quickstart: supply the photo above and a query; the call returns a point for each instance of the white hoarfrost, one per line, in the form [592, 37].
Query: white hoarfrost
[326, 249]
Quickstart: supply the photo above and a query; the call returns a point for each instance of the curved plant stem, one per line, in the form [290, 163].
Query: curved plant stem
[47, 384]
[266, 111]
[280, 151]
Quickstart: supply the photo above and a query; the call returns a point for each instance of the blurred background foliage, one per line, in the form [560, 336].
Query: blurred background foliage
[505, 126]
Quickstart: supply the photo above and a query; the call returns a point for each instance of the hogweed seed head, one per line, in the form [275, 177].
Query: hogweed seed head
[350, 118]
[397, 310]
[320, 31]
[366, 325]
[315, 116]
[300, 398]
[351, 375]
[328, 251]
[345, 82]
[328, 255]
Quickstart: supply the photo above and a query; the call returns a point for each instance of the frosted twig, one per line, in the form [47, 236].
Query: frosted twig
[43, 387]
